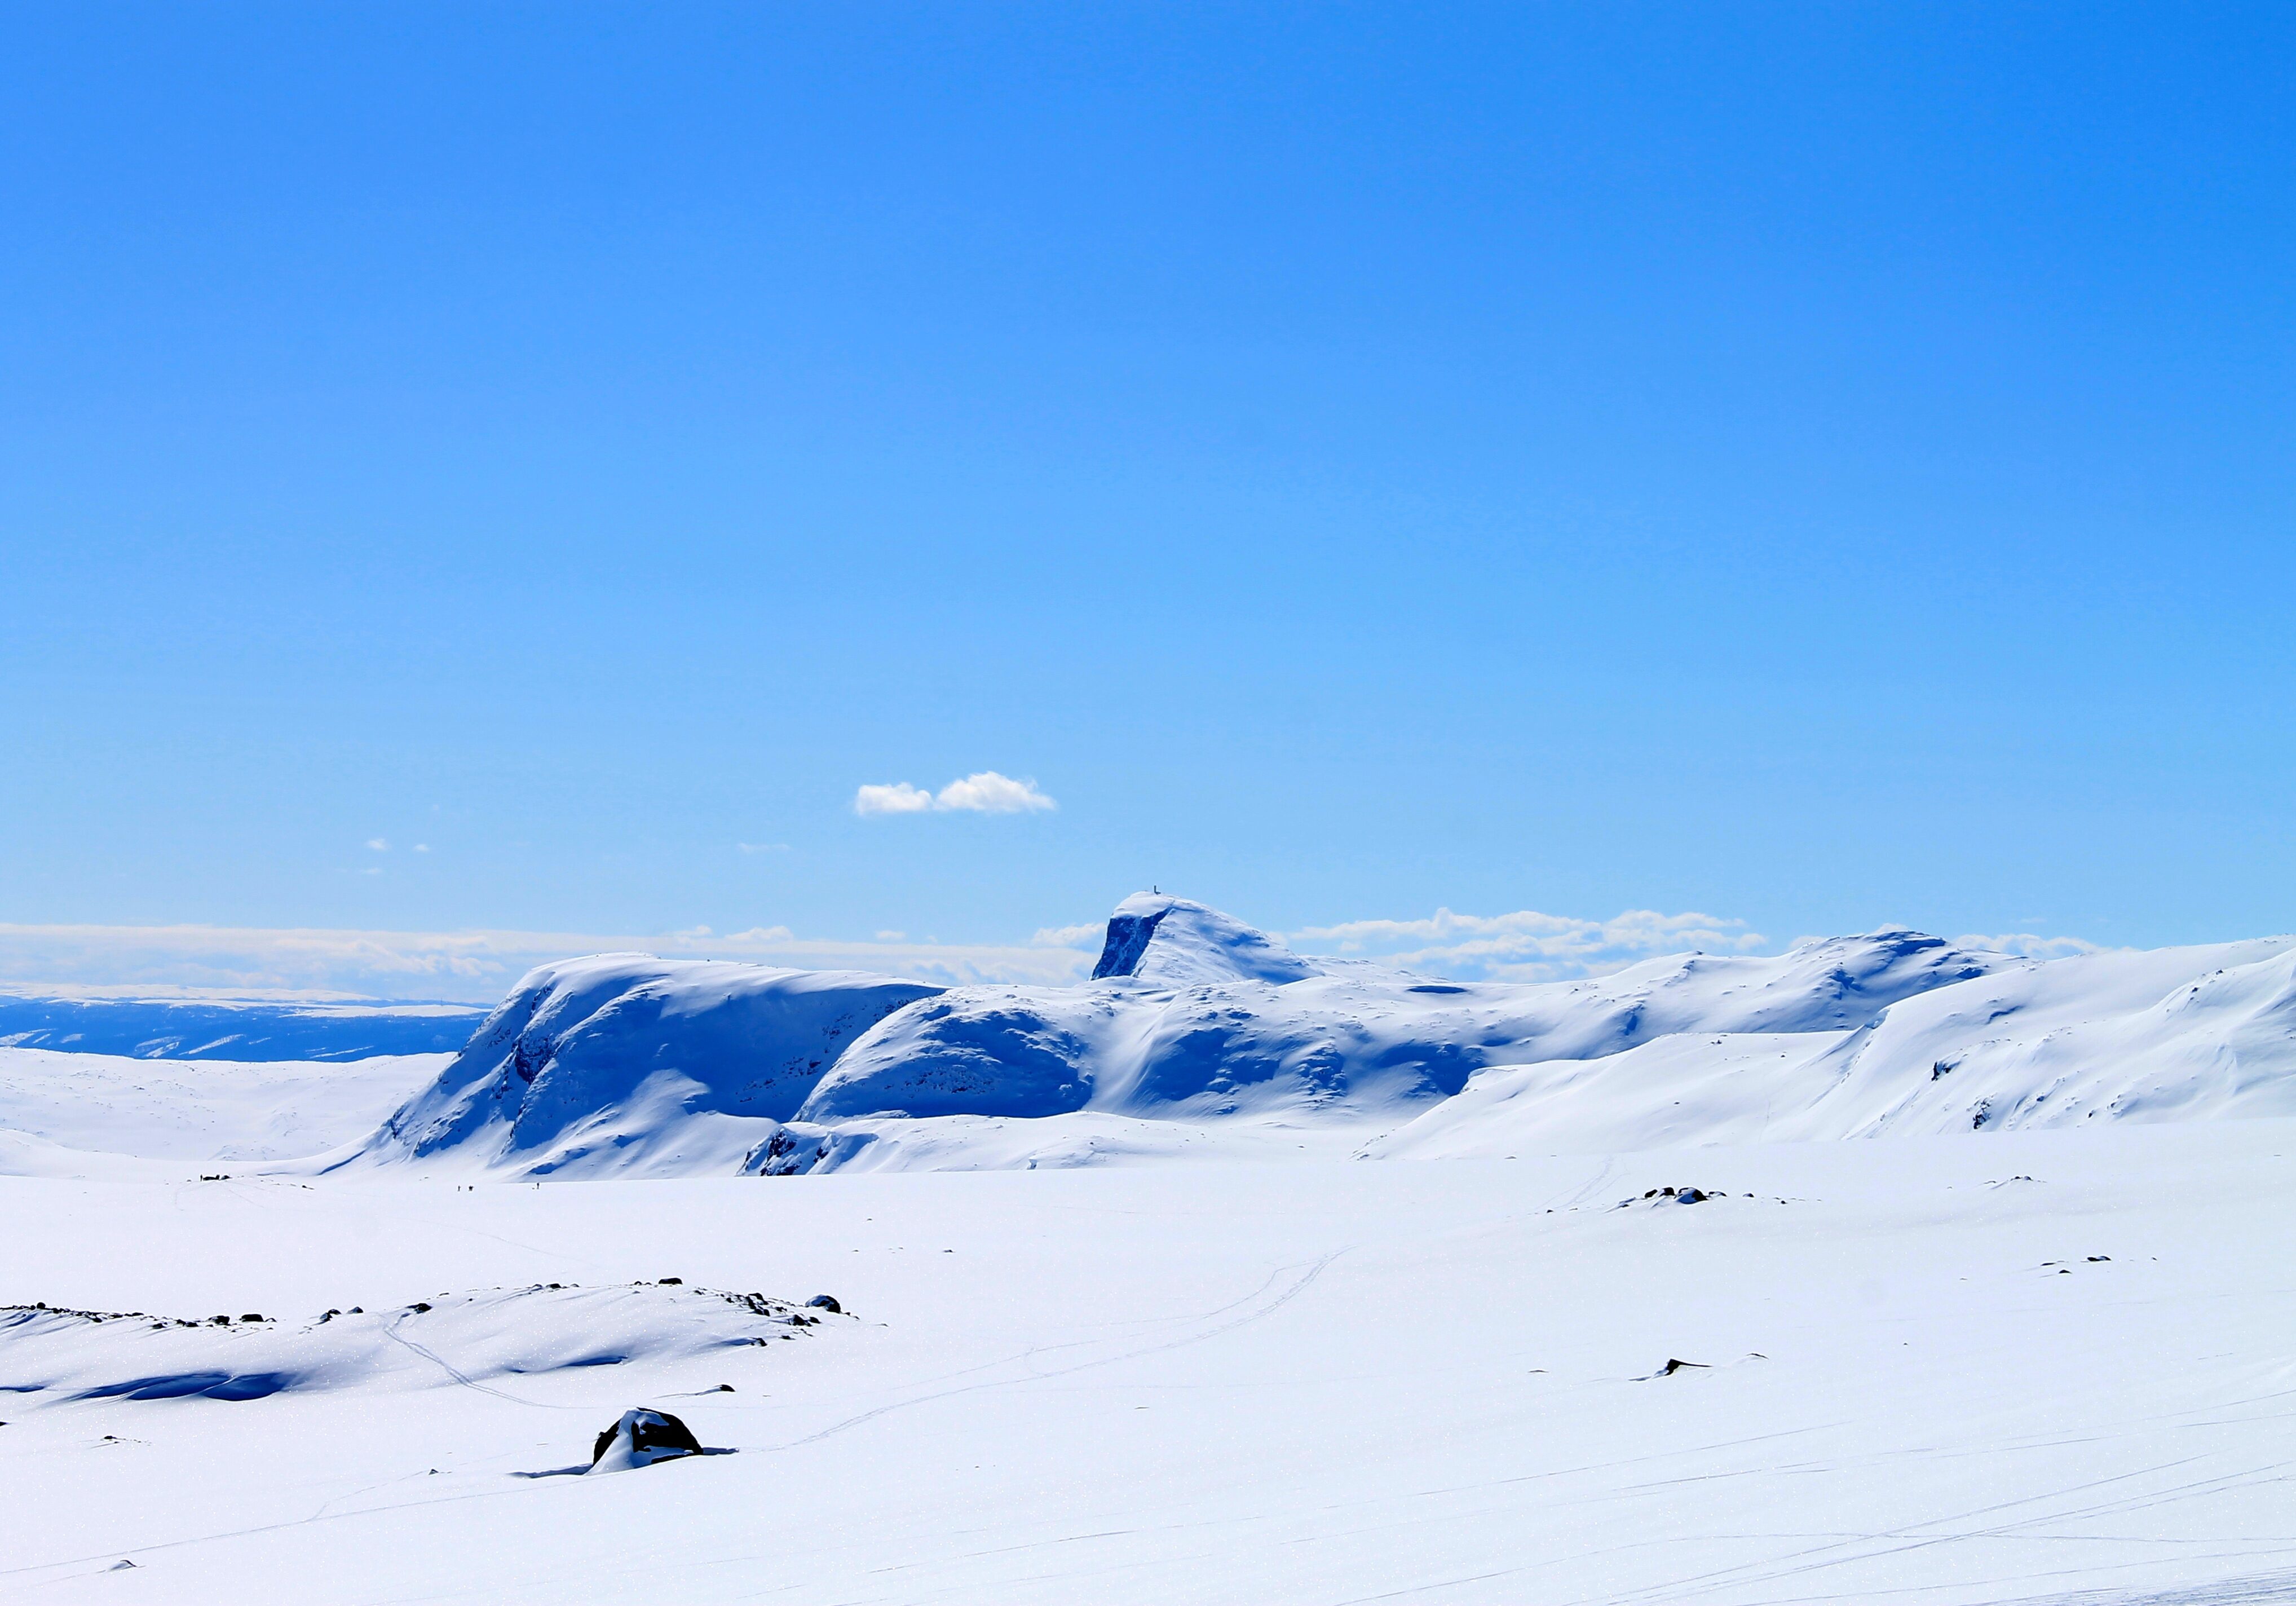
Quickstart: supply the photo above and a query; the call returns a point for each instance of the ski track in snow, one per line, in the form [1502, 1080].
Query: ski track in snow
[1038, 1374]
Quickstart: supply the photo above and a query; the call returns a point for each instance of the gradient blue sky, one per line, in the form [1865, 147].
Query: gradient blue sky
[1811, 465]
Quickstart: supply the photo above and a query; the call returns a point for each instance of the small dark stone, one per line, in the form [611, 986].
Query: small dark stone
[823, 1302]
[253, 1315]
[418, 1307]
[672, 1282]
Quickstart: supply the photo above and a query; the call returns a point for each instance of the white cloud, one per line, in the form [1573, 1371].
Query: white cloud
[1087, 936]
[985, 792]
[898, 798]
[473, 966]
[378, 844]
[892, 937]
[1528, 946]
[422, 847]
[2032, 946]
[990, 793]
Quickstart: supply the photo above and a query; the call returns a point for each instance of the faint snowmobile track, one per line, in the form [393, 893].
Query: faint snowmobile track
[2270, 1587]
[1868, 1547]
[1258, 1312]
[390, 1330]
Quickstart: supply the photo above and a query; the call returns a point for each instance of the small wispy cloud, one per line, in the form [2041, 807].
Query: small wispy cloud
[990, 793]
[378, 845]
[1530, 946]
[422, 847]
[985, 792]
[898, 798]
[1088, 935]
[2029, 946]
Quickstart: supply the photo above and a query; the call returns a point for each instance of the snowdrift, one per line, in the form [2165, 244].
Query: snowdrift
[625, 1062]
[466, 1340]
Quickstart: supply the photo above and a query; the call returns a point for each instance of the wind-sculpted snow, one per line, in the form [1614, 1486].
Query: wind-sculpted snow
[2170, 1034]
[627, 1062]
[487, 1336]
[1336, 1041]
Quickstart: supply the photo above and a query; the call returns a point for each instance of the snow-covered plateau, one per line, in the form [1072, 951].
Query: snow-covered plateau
[1885, 1269]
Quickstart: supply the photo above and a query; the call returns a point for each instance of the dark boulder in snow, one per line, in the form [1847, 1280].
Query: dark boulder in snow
[639, 1440]
[825, 1302]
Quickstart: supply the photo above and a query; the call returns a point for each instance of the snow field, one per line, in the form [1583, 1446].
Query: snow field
[98, 1106]
[1325, 1381]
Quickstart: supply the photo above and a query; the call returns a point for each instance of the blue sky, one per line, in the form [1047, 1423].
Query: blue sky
[1803, 467]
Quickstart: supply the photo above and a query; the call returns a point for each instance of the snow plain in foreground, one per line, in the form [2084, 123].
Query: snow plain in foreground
[2040, 1365]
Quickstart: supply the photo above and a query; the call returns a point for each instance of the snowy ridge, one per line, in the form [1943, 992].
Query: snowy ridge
[625, 1062]
[2175, 1034]
[466, 1340]
[1200, 1037]
[1173, 942]
[1332, 1041]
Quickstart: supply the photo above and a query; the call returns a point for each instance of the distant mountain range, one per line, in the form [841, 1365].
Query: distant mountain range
[218, 1028]
[1196, 1024]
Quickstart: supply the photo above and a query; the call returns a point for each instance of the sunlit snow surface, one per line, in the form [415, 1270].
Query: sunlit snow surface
[81, 1114]
[1200, 1035]
[1952, 1369]
[1231, 1276]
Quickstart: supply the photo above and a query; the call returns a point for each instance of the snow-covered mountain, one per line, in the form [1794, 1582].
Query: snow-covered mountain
[1198, 1034]
[628, 1062]
[625, 1064]
[1192, 1014]
[2173, 1034]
